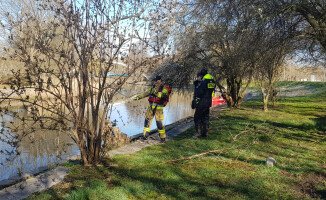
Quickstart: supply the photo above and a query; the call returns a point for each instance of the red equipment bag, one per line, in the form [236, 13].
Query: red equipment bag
[169, 92]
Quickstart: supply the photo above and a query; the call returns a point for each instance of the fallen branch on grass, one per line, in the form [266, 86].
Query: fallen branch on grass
[234, 138]
[242, 132]
[201, 154]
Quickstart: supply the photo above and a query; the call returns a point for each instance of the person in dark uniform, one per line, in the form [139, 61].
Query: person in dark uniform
[204, 91]
[193, 105]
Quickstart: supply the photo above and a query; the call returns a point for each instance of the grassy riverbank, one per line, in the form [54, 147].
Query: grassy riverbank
[293, 132]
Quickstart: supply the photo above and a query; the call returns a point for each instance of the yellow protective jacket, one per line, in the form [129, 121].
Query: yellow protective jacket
[157, 94]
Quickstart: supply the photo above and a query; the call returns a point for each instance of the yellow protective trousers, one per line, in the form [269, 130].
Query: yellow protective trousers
[156, 111]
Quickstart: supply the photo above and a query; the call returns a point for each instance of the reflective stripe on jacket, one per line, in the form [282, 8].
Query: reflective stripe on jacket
[156, 94]
[205, 91]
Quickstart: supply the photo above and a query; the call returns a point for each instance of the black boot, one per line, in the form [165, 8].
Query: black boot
[162, 140]
[203, 130]
[145, 137]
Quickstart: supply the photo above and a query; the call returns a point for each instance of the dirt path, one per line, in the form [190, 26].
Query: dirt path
[154, 138]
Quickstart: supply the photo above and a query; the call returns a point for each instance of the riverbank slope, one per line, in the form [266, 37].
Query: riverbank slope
[229, 164]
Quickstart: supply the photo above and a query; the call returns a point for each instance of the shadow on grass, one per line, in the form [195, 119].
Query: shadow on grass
[321, 124]
[187, 185]
[76, 184]
[229, 122]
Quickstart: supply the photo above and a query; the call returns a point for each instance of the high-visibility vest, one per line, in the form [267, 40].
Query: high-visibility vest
[160, 100]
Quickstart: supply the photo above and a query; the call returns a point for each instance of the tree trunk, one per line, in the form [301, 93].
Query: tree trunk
[273, 94]
[265, 97]
[89, 149]
[83, 154]
[234, 87]
[265, 105]
[231, 94]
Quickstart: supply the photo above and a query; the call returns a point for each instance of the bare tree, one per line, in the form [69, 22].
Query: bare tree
[279, 38]
[233, 39]
[221, 36]
[68, 57]
[267, 73]
[314, 12]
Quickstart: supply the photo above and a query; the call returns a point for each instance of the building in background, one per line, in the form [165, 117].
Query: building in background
[294, 73]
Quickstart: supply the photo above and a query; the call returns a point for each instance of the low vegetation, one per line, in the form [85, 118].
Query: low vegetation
[293, 133]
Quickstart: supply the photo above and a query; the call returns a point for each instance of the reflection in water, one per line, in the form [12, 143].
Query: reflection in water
[38, 150]
[130, 116]
[42, 149]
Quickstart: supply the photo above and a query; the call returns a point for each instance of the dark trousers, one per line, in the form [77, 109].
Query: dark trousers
[201, 119]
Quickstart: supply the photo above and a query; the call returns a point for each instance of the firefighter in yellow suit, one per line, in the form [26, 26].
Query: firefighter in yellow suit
[158, 95]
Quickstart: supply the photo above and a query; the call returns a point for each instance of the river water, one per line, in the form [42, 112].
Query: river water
[40, 151]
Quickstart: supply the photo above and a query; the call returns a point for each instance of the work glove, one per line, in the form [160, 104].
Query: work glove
[159, 95]
[153, 92]
[136, 99]
[197, 100]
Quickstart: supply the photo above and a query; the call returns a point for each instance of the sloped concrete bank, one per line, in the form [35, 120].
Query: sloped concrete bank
[43, 181]
[154, 138]
[17, 179]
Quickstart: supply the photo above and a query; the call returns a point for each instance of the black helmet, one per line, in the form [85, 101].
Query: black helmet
[157, 78]
[203, 72]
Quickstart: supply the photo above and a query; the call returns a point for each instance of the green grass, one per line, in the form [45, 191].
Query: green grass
[293, 132]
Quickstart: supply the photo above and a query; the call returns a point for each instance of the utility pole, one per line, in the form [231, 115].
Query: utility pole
[284, 73]
[324, 73]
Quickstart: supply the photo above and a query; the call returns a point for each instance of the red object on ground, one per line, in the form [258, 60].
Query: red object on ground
[216, 101]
